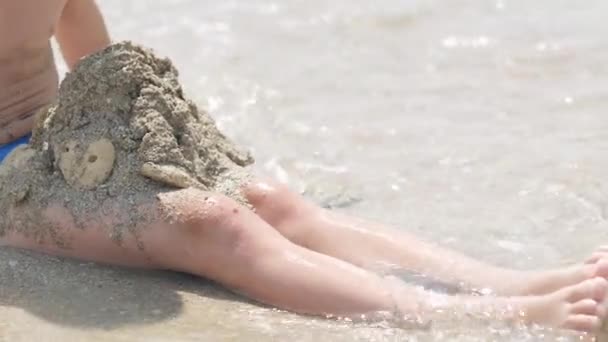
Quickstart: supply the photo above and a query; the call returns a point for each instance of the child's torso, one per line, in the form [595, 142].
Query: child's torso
[28, 78]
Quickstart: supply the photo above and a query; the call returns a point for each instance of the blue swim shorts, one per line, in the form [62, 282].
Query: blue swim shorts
[7, 148]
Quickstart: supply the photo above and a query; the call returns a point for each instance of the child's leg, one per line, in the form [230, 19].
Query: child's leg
[371, 245]
[576, 307]
[214, 237]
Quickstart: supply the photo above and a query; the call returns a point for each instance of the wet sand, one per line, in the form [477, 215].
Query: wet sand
[54, 299]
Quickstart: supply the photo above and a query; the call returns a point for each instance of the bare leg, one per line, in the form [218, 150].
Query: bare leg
[370, 245]
[575, 307]
[214, 237]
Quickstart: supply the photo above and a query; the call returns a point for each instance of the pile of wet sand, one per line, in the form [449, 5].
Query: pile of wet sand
[121, 131]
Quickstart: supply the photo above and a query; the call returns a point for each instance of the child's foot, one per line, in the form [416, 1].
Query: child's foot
[577, 307]
[601, 253]
[538, 283]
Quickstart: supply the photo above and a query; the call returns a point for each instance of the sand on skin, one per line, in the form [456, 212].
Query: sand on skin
[121, 130]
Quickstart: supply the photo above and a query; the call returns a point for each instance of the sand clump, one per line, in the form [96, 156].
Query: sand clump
[121, 131]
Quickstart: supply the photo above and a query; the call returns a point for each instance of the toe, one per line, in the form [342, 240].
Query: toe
[585, 307]
[587, 323]
[589, 289]
[601, 268]
[601, 311]
[596, 256]
[600, 289]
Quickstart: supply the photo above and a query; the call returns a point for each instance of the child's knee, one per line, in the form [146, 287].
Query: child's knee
[193, 207]
[273, 201]
[206, 216]
[281, 208]
[214, 223]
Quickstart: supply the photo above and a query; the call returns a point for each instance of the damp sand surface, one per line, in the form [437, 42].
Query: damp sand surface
[121, 132]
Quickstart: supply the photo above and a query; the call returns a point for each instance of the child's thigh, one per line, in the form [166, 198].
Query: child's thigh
[181, 230]
[56, 230]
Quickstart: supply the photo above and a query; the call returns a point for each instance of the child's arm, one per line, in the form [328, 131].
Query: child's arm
[81, 30]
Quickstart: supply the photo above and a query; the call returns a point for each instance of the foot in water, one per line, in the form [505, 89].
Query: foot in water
[578, 307]
[538, 283]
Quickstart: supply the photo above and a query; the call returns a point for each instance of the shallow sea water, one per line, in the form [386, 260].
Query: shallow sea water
[480, 125]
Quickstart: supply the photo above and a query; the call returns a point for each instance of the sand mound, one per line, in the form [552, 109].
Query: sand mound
[121, 129]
